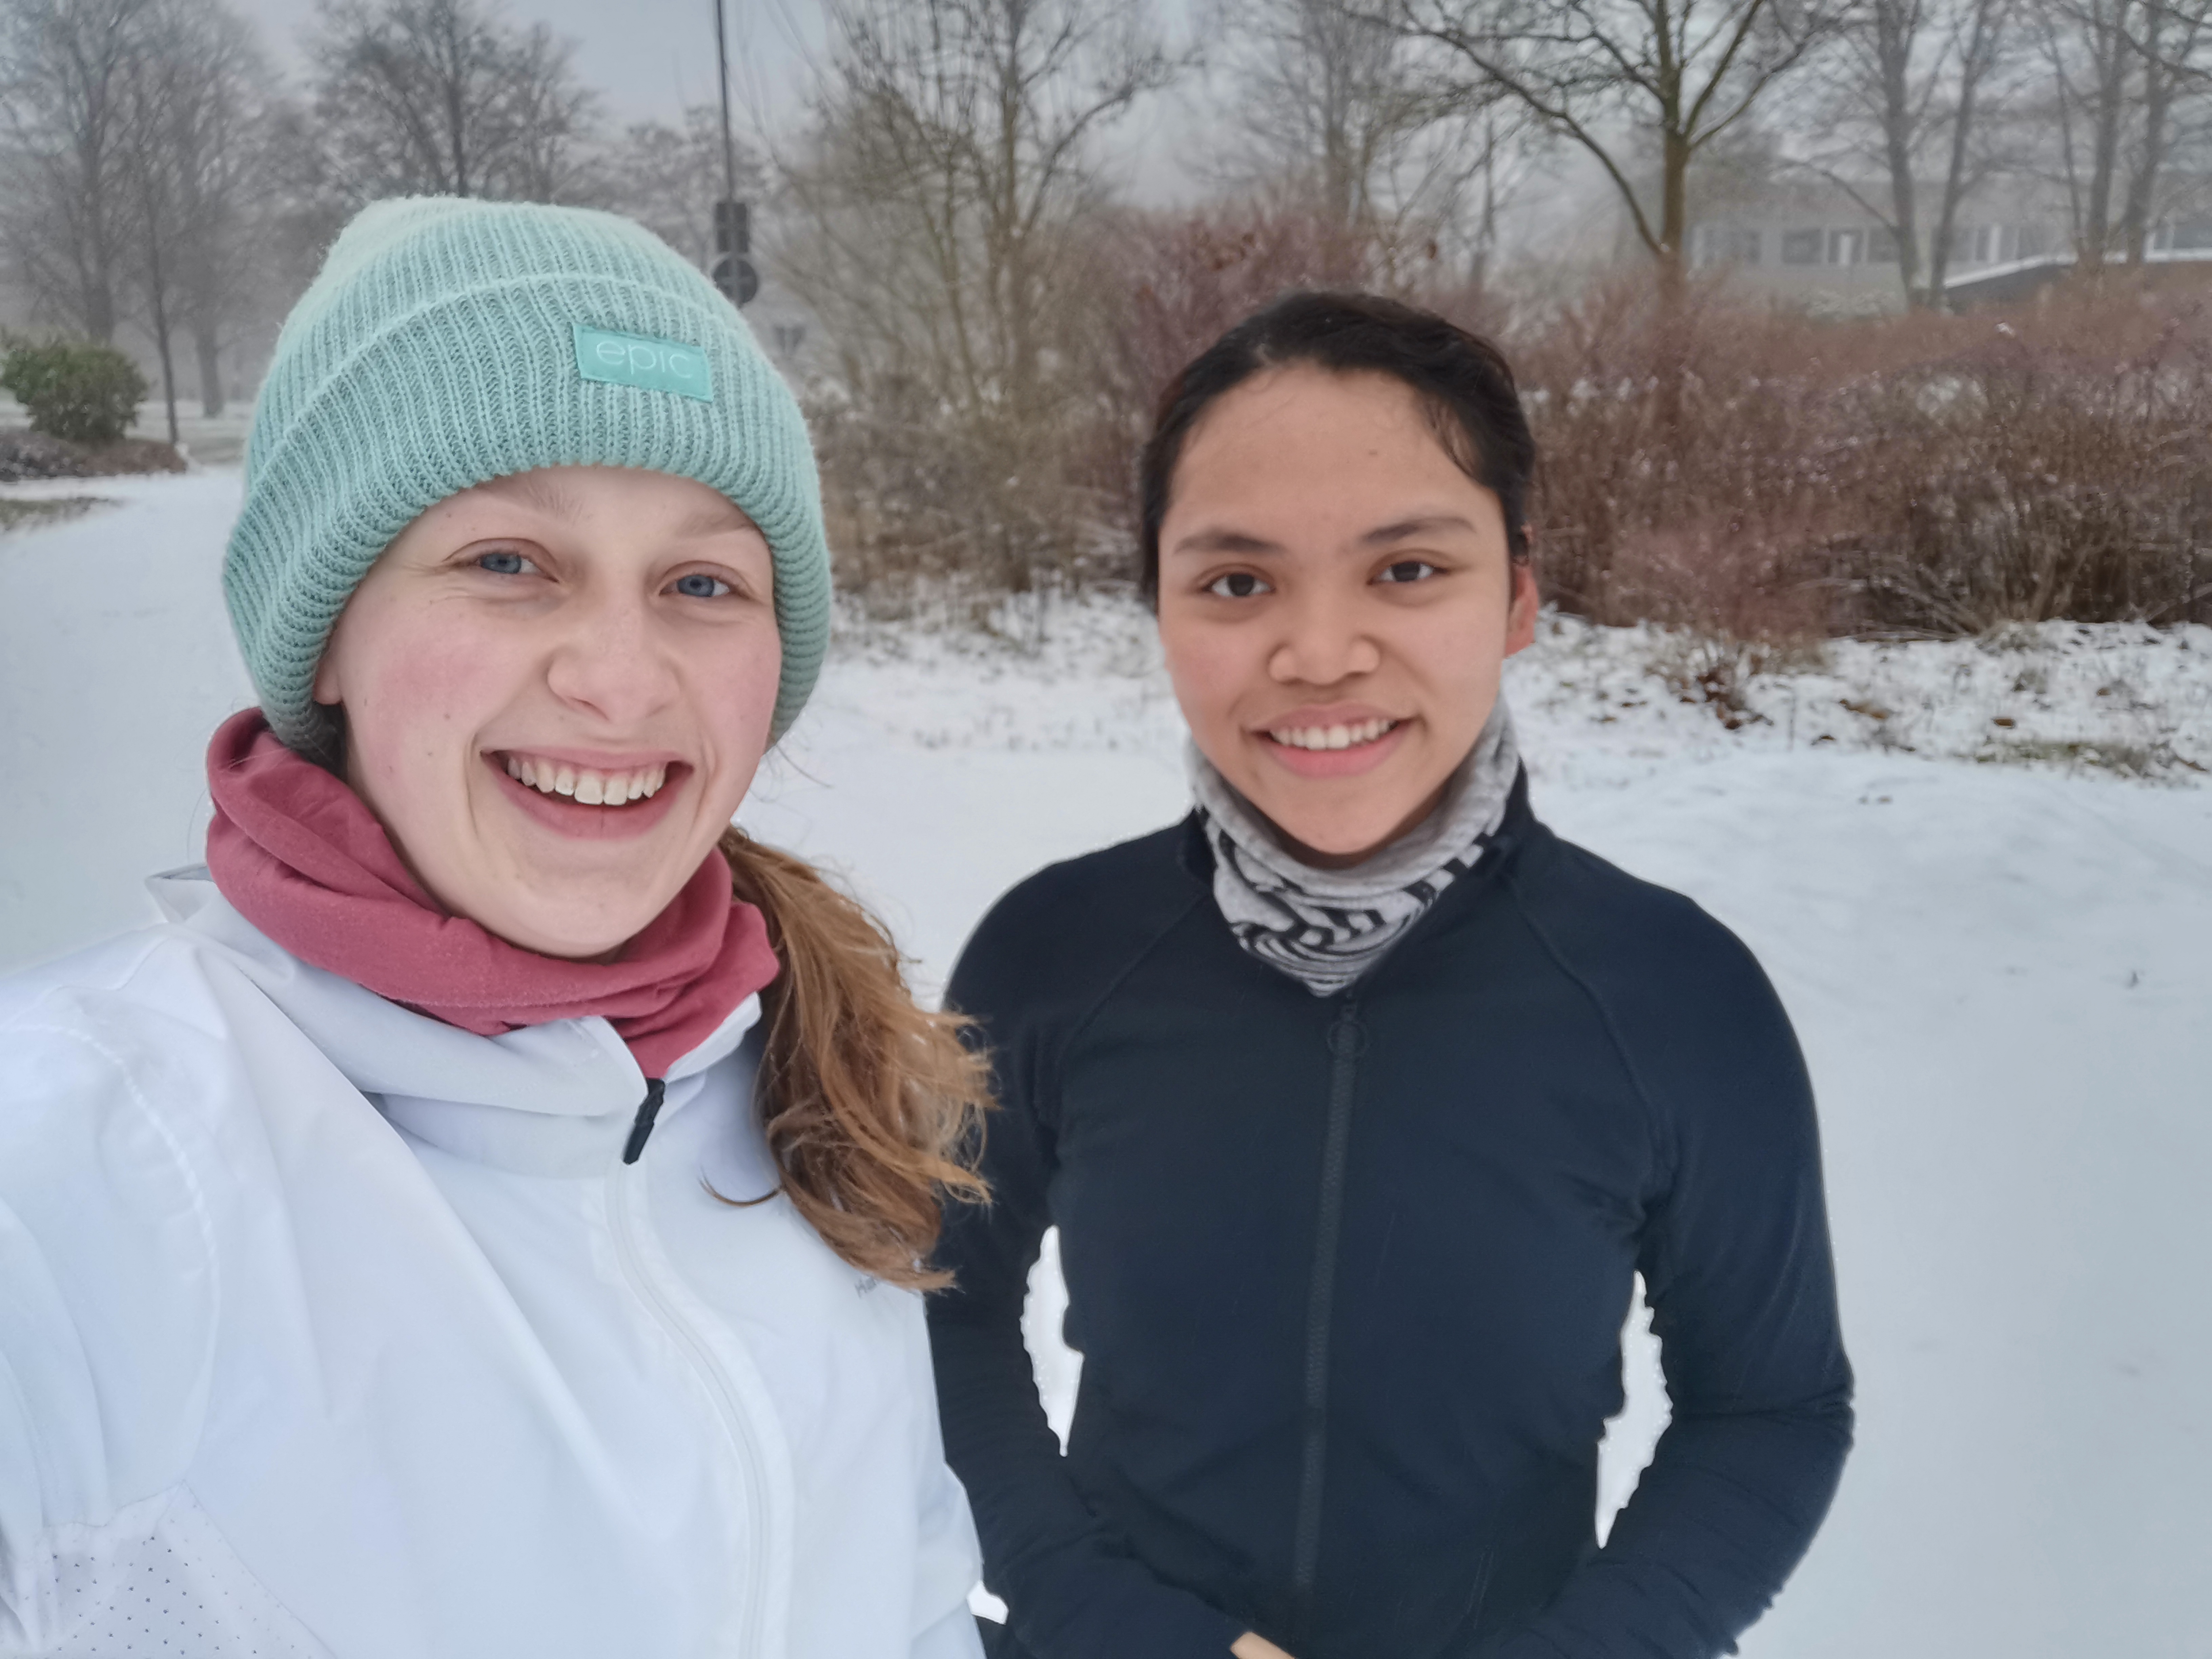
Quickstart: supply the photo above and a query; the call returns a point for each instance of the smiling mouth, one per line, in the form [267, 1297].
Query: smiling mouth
[1333, 736]
[587, 785]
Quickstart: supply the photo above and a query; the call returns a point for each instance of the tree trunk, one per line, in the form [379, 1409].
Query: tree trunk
[2142, 184]
[1973, 64]
[1893, 48]
[161, 335]
[2104, 152]
[1674, 283]
[1674, 217]
[205, 343]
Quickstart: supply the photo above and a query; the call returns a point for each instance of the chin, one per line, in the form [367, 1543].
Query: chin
[587, 936]
[1332, 838]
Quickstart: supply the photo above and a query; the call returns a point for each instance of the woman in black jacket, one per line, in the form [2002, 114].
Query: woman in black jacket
[1359, 1099]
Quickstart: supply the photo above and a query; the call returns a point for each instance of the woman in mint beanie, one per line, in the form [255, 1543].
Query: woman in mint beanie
[489, 1215]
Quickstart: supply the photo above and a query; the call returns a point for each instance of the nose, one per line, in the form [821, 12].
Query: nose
[607, 659]
[1323, 642]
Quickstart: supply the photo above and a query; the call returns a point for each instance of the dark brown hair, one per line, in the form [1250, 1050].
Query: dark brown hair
[1463, 382]
[872, 1106]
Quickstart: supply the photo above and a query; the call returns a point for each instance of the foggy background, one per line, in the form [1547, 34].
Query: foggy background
[1867, 348]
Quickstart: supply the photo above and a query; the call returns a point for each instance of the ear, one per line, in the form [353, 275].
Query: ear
[1521, 614]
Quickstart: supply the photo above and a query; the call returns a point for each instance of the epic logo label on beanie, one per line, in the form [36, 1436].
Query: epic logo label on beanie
[639, 360]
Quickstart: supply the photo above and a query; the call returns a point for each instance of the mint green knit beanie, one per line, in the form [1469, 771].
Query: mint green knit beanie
[448, 342]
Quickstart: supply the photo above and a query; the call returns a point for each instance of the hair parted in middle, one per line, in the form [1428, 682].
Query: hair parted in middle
[1463, 383]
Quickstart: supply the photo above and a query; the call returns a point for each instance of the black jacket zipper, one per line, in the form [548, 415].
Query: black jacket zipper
[647, 1110]
[1347, 1038]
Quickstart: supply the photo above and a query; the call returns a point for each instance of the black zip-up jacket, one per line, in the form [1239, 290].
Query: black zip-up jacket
[1348, 1274]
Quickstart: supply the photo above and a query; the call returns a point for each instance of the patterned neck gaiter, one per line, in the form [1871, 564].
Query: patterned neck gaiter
[1326, 928]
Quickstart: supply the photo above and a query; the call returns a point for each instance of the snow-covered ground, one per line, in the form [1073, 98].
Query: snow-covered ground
[1996, 942]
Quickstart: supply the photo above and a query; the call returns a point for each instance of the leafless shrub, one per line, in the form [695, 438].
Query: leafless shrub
[1919, 475]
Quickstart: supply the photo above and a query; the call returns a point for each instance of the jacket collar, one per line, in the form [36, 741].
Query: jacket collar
[556, 1099]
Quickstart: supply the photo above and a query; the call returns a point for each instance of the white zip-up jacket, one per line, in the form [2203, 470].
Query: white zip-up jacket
[326, 1328]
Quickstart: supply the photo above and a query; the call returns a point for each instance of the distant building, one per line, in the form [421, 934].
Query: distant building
[1816, 243]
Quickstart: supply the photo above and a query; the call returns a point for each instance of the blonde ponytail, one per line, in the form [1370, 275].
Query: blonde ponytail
[872, 1106]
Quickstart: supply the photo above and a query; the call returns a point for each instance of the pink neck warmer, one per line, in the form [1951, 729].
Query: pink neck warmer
[300, 856]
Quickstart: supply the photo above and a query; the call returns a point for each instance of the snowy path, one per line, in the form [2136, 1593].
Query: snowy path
[2002, 978]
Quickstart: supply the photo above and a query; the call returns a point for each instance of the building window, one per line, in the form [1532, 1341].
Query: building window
[1985, 244]
[2034, 241]
[1882, 246]
[1801, 247]
[1846, 248]
[1724, 244]
[2192, 235]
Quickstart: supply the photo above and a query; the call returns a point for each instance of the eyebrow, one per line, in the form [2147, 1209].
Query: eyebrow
[716, 521]
[1426, 524]
[548, 498]
[1236, 541]
[1224, 541]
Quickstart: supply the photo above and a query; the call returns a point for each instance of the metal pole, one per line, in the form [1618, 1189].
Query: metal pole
[729, 149]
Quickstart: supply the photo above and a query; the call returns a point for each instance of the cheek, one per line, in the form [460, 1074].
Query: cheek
[738, 685]
[1210, 667]
[419, 693]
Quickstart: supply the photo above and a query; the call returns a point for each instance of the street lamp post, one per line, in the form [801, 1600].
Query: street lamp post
[733, 272]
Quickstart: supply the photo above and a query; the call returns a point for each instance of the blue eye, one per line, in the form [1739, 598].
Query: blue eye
[505, 562]
[1236, 585]
[700, 586]
[1408, 570]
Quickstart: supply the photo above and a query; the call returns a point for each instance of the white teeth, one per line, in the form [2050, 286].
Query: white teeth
[591, 788]
[1332, 737]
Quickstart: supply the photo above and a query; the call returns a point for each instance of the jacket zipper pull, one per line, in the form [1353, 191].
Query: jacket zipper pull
[647, 1109]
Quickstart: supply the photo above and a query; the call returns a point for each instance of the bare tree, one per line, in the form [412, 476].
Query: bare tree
[934, 221]
[64, 206]
[1623, 78]
[2169, 45]
[1910, 79]
[447, 97]
[949, 164]
[2088, 45]
[1339, 115]
[196, 167]
[1980, 35]
[1326, 97]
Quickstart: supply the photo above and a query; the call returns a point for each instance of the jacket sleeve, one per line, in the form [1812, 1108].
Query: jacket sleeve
[1736, 1265]
[1073, 1588]
[945, 1564]
[107, 1314]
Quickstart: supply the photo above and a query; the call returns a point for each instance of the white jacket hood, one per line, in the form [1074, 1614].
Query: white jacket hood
[557, 1099]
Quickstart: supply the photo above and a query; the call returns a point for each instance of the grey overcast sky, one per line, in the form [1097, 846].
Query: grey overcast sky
[650, 58]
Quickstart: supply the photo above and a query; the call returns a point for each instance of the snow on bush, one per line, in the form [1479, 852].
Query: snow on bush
[2120, 698]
